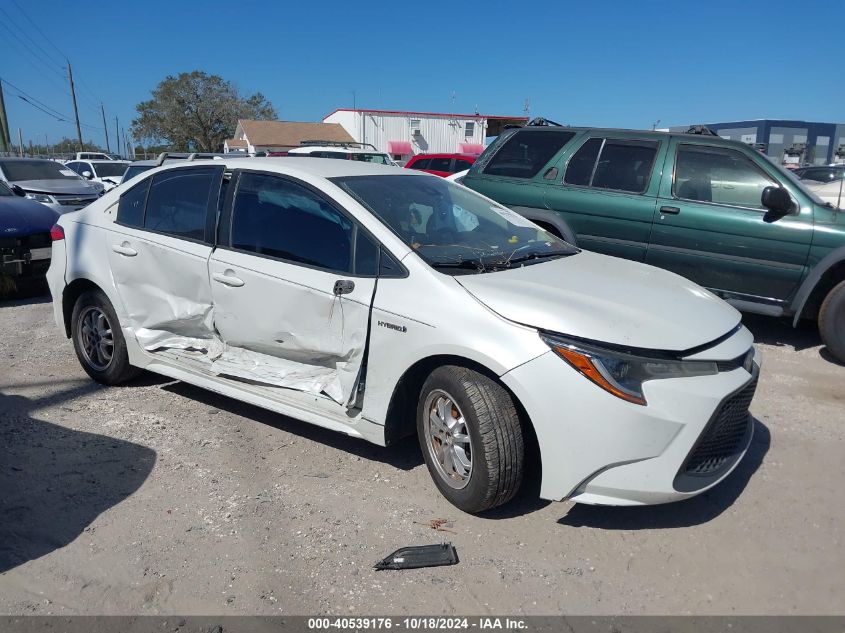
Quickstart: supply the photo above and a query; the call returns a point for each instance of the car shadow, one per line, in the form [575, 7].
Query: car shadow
[54, 481]
[26, 296]
[404, 455]
[701, 509]
[780, 333]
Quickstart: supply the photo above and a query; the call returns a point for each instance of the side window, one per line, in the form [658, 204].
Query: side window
[461, 164]
[580, 168]
[624, 165]
[130, 209]
[178, 202]
[720, 175]
[525, 153]
[422, 163]
[366, 255]
[276, 217]
[75, 167]
[440, 164]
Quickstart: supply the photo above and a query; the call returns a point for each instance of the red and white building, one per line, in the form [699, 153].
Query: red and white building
[404, 134]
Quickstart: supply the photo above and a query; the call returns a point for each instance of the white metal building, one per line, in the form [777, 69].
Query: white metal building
[403, 134]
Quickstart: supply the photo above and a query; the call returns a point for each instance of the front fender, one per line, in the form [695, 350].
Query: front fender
[834, 257]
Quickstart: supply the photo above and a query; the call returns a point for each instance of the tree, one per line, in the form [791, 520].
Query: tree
[196, 111]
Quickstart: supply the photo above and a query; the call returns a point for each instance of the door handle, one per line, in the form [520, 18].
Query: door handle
[343, 287]
[228, 279]
[124, 249]
[670, 210]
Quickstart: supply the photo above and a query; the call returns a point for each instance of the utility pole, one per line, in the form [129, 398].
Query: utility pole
[75, 110]
[5, 141]
[46, 145]
[117, 134]
[20, 142]
[105, 127]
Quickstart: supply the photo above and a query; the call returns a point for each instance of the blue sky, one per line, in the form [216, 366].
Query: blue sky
[611, 63]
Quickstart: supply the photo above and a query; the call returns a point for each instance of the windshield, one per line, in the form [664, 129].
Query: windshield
[111, 169]
[381, 159]
[451, 227]
[17, 170]
[795, 180]
[134, 170]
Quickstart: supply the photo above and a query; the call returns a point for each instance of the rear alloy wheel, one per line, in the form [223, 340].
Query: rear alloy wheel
[832, 321]
[98, 340]
[471, 438]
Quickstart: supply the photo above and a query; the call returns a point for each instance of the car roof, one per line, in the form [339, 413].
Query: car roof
[321, 167]
[110, 161]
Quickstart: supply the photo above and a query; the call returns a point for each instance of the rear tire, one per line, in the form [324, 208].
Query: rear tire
[832, 321]
[98, 340]
[471, 438]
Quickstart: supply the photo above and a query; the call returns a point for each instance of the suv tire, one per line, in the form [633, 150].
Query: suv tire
[98, 340]
[832, 321]
[471, 438]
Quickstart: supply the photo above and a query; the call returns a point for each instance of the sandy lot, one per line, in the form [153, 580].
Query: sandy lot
[160, 498]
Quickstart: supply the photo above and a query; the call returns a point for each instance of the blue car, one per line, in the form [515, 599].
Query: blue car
[25, 243]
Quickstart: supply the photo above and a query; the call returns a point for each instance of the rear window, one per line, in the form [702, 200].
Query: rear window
[440, 164]
[422, 163]
[525, 153]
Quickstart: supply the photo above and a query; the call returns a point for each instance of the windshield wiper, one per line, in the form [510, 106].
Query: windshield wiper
[466, 264]
[534, 256]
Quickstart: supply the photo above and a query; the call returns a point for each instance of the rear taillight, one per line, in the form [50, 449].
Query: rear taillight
[57, 233]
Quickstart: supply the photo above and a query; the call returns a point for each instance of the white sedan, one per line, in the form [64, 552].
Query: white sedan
[381, 303]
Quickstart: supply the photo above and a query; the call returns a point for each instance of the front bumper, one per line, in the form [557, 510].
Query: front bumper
[598, 449]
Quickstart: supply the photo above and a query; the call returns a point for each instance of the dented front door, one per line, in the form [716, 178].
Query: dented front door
[285, 294]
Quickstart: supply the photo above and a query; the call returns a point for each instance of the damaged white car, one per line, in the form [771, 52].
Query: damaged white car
[382, 303]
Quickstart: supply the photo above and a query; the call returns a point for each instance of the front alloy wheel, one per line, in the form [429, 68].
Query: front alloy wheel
[471, 438]
[448, 439]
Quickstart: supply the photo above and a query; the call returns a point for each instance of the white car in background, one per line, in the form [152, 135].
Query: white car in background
[827, 182]
[363, 152]
[107, 172]
[382, 303]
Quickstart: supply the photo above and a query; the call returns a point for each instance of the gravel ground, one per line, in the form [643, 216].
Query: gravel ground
[160, 498]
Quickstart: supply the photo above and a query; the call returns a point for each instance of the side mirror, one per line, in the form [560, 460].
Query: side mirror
[18, 191]
[778, 202]
[87, 174]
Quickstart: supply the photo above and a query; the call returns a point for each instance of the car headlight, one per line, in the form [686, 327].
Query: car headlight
[40, 197]
[622, 373]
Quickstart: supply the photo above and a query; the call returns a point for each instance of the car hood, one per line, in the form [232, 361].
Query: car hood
[19, 217]
[606, 299]
[74, 187]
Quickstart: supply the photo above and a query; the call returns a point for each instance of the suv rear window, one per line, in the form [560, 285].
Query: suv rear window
[615, 164]
[525, 153]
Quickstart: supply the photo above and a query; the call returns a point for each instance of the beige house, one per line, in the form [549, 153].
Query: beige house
[273, 136]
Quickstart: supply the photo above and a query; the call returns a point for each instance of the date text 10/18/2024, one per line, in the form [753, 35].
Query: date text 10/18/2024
[417, 623]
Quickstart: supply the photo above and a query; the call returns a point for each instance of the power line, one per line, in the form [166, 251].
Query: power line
[44, 107]
[46, 39]
[94, 100]
[45, 61]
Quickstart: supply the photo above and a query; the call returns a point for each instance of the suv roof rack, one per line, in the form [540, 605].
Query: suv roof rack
[337, 144]
[184, 155]
[540, 121]
[701, 129]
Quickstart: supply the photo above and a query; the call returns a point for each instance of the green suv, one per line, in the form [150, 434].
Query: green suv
[715, 211]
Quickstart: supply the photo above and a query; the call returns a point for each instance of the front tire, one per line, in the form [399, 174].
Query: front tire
[832, 321]
[471, 438]
[98, 339]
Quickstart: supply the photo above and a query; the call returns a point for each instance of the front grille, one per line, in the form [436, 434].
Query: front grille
[723, 437]
[75, 201]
